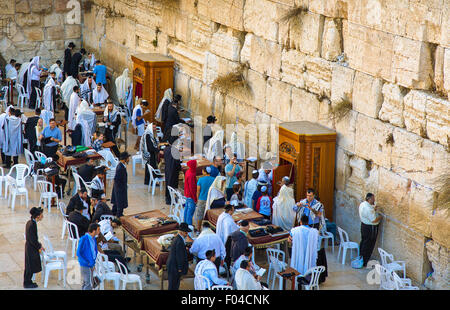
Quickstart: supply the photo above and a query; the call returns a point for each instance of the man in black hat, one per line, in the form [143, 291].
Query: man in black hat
[32, 248]
[177, 263]
[172, 119]
[239, 240]
[119, 196]
[98, 203]
[76, 217]
[81, 197]
[207, 131]
[68, 60]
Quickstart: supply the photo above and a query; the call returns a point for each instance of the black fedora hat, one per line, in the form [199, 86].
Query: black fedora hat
[184, 227]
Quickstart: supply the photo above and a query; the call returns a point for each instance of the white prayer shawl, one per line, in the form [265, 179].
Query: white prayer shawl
[73, 106]
[123, 82]
[21, 75]
[14, 140]
[130, 99]
[112, 115]
[249, 189]
[46, 116]
[283, 212]
[89, 63]
[216, 191]
[85, 87]
[2, 130]
[143, 147]
[304, 248]
[167, 95]
[99, 96]
[208, 240]
[246, 281]
[201, 267]
[225, 226]
[213, 146]
[133, 117]
[55, 68]
[48, 97]
[34, 64]
[87, 119]
[11, 73]
[67, 88]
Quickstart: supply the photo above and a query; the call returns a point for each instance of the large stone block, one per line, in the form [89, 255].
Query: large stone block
[415, 103]
[72, 31]
[369, 50]
[331, 40]
[169, 16]
[439, 68]
[345, 129]
[293, 67]
[34, 34]
[438, 120]
[55, 33]
[41, 6]
[412, 63]
[342, 83]
[318, 75]
[362, 179]
[260, 18]
[347, 214]
[216, 66]
[421, 209]
[447, 71]
[392, 108]
[61, 5]
[118, 30]
[258, 85]
[7, 7]
[343, 169]
[439, 256]
[227, 12]
[331, 8]
[305, 106]
[27, 20]
[182, 27]
[54, 19]
[188, 58]
[367, 97]
[393, 195]
[226, 44]
[201, 33]
[370, 140]
[440, 227]
[445, 34]
[181, 87]
[263, 56]
[22, 6]
[278, 99]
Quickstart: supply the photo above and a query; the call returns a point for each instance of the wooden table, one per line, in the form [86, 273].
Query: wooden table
[287, 271]
[98, 110]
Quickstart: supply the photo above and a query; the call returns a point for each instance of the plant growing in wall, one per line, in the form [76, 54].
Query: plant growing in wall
[234, 80]
[340, 110]
[293, 14]
[390, 139]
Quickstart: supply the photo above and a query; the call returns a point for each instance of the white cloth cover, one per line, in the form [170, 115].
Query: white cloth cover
[33, 64]
[213, 146]
[216, 191]
[23, 69]
[123, 82]
[201, 267]
[87, 119]
[304, 248]
[225, 226]
[47, 96]
[283, 212]
[55, 68]
[246, 281]
[168, 94]
[73, 106]
[67, 88]
[13, 145]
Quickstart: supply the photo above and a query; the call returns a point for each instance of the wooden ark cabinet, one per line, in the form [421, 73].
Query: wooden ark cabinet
[307, 155]
[152, 75]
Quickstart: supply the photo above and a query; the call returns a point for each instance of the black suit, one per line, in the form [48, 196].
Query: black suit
[177, 263]
[32, 257]
[86, 172]
[101, 209]
[75, 64]
[119, 197]
[67, 61]
[172, 119]
[81, 221]
[30, 132]
[73, 202]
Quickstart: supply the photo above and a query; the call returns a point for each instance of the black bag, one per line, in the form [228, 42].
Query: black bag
[259, 232]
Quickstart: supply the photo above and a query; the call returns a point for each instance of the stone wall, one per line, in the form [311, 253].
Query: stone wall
[389, 58]
[36, 27]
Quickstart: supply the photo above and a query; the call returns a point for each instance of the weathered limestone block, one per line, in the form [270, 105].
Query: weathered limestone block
[118, 30]
[258, 85]
[347, 214]
[22, 6]
[393, 195]
[189, 59]
[126, 8]
[361, 179]
[324, 113]
[34, 33]
[193, 99]
[369, 50]
[226, 43]
[72, 31]
[439, 256]
[440, 227]
[331, 40]
[345, 129]
[341, 83]
[331, 8]
[169, 16]
[293, 66]
[54, 19]
[439, 68]
[260, 18]
[181, 87]
[216, 66]
[182, 27]
[412, 63]
[278, 98]
[263, 56]
[417, 158]
[414, 114]
[201, 33]
[305, 106]
[235, 108]
[7, 6]
[367, 97]
[227, 12]
[421, 209]
[41, 6]
[370, 140]
[26, 20]
[423, 22]
[406, 245]
[392, 108]
[100, 22]
[305, 33]
[438, 120]
[318, 76]
[60, 6]
[447, 71]
[116, 54]
[343, 169]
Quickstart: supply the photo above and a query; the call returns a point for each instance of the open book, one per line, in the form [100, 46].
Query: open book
[261, 272]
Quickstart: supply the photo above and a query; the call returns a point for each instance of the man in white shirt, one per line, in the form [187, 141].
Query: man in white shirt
[245, 280]
[107, 226]
[369, 227]
[99, 94]
[208, 269]
[73, 105]
[208, 240]
[225, 224]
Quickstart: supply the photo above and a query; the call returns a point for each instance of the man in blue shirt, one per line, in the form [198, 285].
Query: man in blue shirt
[231, 169]
[100, 73]
[215, 167]
[50, 137]
[87, 254]
[203, 185]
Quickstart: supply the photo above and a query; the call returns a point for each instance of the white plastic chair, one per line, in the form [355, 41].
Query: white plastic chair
[49, 264]
[78, 180]
[386, 278]
[154, 180]
[126, 277]
[39, 174]
[221, 288]
[38, 97]
[201, 282]
[22, 98]
[106, 216]
[402, 284]
[3, 180]
[39, 155]
[106, 275]
[110, 161]
[14, 191]
[73, 236]
[47, 194]
[393, 265]
[325, 235]
[62, 207]
[137, 158]
[52, 253]
[315, 273]
[275, 259]
[109, 266]
[345, 245]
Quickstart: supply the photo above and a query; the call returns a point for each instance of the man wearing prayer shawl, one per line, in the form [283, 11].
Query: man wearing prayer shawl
[33, 76]
[305, 244]
[138, 121]
[283, 204]
[99, 94]
[207, 269]
[49, 94]
[172, 119]
[75, 100]
[249, 188]
[245, 280]
[89, 62]
[312, 208]
[167, 99]
[208, 240]
[87, 119]
[216, 194]
[265, 175]
[173, 167]
[225, 224]
[67, 89]
[14, 139]
[87, 89]
[3, 135]
[111, 117]
[59, 73]
[123, 82]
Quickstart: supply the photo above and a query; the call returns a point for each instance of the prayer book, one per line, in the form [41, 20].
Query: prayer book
[108, 236]
[261, 271]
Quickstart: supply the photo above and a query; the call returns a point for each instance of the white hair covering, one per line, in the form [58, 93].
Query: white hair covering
[168, 94]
